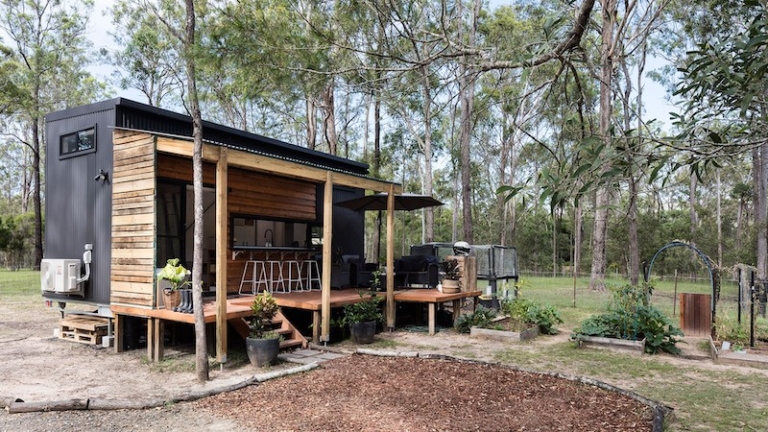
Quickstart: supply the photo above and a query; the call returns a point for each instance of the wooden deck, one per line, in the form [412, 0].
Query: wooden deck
[432, 298]
[239, 307]
[312, 301]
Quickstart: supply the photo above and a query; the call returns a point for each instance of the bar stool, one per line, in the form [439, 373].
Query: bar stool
[258, 276]
[295, 277]
[313, 274]
[276, 281]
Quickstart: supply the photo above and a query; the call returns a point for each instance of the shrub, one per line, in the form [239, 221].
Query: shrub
[366, 310]
[527, 311]
[481, 317]
[631, 317]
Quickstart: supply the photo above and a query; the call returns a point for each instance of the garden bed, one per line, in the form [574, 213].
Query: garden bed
[625, 345]
[751, 356]
[504, 329]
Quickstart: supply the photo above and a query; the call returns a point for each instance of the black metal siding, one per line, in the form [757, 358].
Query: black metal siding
[78, 209]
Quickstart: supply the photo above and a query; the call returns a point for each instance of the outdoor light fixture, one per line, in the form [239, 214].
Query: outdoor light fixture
[102, 176]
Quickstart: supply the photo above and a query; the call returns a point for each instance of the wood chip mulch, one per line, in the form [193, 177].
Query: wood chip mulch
[365, 393]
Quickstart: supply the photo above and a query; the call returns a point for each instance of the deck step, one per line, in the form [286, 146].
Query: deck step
[290, 343]
[291, 336]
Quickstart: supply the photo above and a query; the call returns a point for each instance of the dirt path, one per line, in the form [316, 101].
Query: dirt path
[35, 366]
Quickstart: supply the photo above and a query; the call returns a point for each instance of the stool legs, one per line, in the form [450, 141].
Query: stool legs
[313, 275]
[295, 278]
[258, 276]
[276, 281]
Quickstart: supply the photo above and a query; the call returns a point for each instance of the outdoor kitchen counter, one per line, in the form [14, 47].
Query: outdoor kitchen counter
[433, 297]
[282, 250]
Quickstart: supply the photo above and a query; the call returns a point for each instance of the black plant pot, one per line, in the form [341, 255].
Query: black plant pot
[262, 352]
[362, 332]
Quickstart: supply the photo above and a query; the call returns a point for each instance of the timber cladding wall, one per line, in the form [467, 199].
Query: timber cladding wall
[249, 193]
[133, 219]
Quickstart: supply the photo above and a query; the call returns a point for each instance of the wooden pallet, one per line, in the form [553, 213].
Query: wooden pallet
[83, 329]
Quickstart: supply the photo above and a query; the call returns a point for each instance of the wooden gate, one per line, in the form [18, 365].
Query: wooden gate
[695, 314]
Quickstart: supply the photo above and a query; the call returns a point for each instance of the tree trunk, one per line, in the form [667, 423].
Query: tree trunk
[311, 123]
[467, 91]
[692, 202]
[634, 244]
[429, 216]
[36, 196]
[329, 121]
[597, 278]
[578, 222]
[719, 224]
[201, 347]
[761, 209]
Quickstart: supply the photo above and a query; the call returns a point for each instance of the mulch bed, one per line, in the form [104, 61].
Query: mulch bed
[366, 393]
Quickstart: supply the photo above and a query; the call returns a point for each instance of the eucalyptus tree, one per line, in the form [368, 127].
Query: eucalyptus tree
[147, 57]
[46, 43]
[724, 85]
[190, 42]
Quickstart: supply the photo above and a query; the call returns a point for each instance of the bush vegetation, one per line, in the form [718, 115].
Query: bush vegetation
[630, 316]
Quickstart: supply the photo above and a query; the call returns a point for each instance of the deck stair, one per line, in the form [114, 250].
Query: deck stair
[292, 338]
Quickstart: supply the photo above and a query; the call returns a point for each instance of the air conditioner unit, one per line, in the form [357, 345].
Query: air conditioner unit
[60, 276]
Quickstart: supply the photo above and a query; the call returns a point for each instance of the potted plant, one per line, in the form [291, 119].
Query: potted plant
[262, 343]
[176, 275]
[451, 282]
[362, 318]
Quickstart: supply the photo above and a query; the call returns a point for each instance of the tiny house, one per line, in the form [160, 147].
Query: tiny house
[119, 195]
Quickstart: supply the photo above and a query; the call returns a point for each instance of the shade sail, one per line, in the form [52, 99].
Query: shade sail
[406, 201]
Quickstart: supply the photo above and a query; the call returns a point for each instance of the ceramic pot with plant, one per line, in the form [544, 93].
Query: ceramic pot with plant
[176, 275]
[451, 282]
[362, 318]
[263, 344]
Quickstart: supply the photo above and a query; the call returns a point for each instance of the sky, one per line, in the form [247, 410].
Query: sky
[656, 105]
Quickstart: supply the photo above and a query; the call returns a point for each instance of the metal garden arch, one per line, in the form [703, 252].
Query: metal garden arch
[714, 276]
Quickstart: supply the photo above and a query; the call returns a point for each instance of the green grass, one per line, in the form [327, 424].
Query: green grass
[703, 398]
[19, 283]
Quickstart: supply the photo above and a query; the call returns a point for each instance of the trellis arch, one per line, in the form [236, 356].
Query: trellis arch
[714, 276]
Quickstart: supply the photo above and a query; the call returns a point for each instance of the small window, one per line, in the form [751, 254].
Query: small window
[78, 142]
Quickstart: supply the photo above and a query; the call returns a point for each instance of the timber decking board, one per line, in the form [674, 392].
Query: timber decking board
[432, 296]
[234, 311]
[310, 300]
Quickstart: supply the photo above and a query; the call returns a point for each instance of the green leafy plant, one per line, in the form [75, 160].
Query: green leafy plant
[451, 269]
[546, 317]
[264, 309]
[481, 317]
[631, 317]
[376, 277]
[175, 274]
[526, 311]
[363, 311]
[738, 336]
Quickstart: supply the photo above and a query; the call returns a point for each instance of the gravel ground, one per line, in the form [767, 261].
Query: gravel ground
[180, 417]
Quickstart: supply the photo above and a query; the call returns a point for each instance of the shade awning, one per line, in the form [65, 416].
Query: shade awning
[406, 201]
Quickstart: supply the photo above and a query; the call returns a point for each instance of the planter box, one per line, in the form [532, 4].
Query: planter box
[504, 335]
[741, 359]
[630, 346]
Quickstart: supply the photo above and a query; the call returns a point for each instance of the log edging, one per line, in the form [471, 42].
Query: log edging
[15, 405]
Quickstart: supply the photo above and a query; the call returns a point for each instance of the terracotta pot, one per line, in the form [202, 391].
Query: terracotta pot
[171, 298]
[451, 286]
